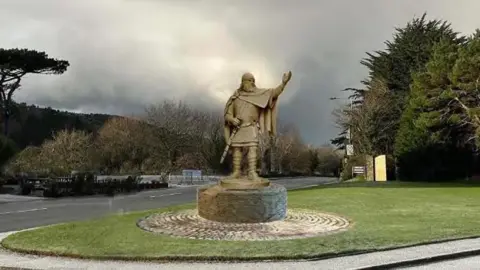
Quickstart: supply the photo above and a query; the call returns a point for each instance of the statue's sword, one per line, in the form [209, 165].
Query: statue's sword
[225, 152]
[229, 142]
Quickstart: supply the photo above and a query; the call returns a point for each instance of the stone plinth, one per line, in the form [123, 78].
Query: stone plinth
[242, 184]
[242, 204]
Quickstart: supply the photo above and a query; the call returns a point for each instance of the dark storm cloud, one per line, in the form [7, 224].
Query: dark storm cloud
[127, 54]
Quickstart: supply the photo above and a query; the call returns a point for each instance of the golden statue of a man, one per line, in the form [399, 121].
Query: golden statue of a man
[248, 111]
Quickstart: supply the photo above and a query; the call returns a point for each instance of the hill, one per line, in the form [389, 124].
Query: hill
[31, 125]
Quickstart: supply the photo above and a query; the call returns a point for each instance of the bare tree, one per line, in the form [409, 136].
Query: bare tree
[193, 160]
[177, 128]
[211, 142]
[69, 150]
[265, 148]
[371, 122]
[122, 143]
[29, 160]
[285, 144]
[299, 159]
[329, 160]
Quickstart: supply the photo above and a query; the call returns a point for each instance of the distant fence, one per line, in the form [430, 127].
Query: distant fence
[176, 179]
[192, 180]
[89, 184]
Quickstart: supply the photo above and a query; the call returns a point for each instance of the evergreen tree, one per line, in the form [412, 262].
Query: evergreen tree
[437, 134]
[14, 65]
[408, 52]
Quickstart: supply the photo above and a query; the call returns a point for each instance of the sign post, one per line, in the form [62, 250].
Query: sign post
[358, 170]
[349, 148]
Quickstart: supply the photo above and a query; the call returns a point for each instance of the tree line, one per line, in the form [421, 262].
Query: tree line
[168, 137]
[419, 104]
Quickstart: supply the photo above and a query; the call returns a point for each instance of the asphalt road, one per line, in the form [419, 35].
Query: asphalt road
[28, 214]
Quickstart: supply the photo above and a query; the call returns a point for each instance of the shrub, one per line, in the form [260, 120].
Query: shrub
[52, 189]
[352, 161]
[27, 188]
[8, 149]
[361, 178]
[110, 187]
[130, 184]
[89, 184]
[78, 185]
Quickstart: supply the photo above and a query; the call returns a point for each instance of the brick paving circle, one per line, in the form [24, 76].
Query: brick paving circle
[298, 224]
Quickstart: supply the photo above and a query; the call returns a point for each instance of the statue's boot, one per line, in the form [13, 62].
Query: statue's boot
[252, 166]
[237, 164]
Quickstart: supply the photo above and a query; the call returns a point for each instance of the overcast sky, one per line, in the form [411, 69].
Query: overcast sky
[126, 54]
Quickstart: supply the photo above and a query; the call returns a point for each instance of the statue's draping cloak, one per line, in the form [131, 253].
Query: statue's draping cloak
[266, 100]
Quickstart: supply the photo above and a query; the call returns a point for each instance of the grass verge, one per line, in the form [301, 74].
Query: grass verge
[386, 215]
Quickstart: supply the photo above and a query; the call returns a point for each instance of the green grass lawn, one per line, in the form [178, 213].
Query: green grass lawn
[385, 215]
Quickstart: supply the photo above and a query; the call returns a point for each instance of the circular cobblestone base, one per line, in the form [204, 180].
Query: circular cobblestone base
[298, 224]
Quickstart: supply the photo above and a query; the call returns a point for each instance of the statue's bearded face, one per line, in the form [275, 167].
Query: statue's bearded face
[248, 84]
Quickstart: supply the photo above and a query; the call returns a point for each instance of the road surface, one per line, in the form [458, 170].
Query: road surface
[463, 263]
[28, 214]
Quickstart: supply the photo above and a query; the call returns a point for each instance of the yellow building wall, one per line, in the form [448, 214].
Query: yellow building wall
[381, 168]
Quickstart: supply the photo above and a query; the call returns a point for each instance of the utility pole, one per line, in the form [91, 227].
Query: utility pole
[349, 150]
[349, 131]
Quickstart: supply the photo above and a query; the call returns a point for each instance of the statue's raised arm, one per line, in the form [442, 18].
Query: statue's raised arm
[286, 78]
[248, 111]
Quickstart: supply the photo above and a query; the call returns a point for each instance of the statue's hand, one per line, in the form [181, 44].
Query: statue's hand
[235, 121]
[286, 77]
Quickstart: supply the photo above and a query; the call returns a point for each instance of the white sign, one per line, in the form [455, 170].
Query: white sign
[349, 148]
[192, 173]
[358, 170]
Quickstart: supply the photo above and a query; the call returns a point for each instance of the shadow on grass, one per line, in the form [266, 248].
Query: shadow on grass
[397, 184]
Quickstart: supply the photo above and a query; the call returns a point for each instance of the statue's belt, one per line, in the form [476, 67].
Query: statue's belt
[244, 125]
[248, 124]
[232, 135]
